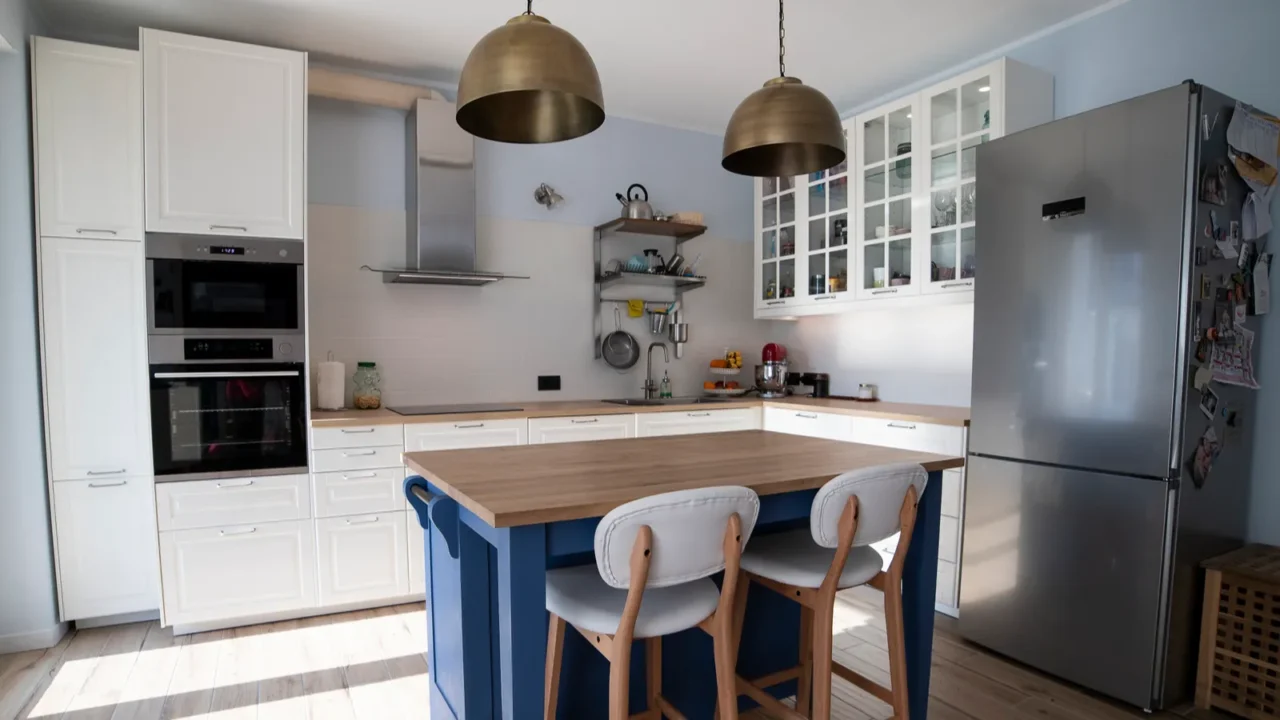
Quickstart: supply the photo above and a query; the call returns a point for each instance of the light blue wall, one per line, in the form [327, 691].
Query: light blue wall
[27, 605]
[357, 158]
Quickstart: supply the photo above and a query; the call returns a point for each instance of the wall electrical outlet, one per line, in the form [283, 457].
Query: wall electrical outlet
[548, 382]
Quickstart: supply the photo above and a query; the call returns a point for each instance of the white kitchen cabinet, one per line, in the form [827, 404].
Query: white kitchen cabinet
[106, 542]
[93, 326]
[225, 137]
[361, 458]
[88, 139]
[909, 435]
[777, 265]
[462, 435]
[690, 422]
[888, 150]
[824, 238]
[231, 501]
[362, 557]
[830, 426]
[357, 492]
[577, 429]
[214, 574]
[362, 436]
[417, 554]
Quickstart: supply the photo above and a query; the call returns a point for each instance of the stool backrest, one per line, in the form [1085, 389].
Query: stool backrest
[880, 491]
[688, 534]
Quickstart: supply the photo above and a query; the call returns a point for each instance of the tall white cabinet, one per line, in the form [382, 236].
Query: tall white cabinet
[88, 160]
[225, 137]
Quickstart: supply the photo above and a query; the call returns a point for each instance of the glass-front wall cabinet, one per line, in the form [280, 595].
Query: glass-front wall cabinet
[887, 149]
[777, 243]
[960, 118]
[828, 264]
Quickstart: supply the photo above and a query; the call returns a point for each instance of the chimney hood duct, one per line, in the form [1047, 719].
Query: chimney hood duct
[440, 196]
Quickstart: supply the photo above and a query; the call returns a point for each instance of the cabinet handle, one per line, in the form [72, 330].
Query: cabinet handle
[348, 431]
[108, 484]
[824, 297]
[241, 531]
[807, 416]
[902, 427]
[362, 453]
[957, 284]
[358, 476]
[701, 414]
[585, 422]
[81, 231]
[233, 484]
[469, 427]
[362, 521]
[885, 291]
[121, 471]
[776, 302]
[241, 228]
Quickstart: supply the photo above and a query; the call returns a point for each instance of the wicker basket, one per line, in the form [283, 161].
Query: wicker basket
[1239, 669]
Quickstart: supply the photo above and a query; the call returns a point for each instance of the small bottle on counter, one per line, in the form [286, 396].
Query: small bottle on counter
[368, 382]
[664, 390]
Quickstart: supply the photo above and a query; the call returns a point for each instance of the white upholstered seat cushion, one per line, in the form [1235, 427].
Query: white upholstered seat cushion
[795, 559]
[583, 599]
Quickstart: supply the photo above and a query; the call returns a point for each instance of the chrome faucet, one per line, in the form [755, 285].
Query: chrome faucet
[651, 387]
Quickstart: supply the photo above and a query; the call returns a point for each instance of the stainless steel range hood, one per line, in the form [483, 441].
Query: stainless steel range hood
[440, 195]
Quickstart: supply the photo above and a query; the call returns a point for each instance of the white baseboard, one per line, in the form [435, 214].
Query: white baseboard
[223, 624]
[37, 640]
[143, 616]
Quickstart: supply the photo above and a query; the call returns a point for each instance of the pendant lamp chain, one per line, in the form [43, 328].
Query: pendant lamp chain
[782, 47]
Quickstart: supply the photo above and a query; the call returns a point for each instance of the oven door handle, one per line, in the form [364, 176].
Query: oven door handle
[202, 375]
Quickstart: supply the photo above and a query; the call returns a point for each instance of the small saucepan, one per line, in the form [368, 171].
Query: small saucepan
[619, 348]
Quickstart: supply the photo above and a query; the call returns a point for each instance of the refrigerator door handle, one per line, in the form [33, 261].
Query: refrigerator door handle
[1185, 304]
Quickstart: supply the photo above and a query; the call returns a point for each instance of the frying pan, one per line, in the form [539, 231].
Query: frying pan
[619, 349]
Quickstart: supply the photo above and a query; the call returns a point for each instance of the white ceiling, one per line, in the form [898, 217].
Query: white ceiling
[685, 63]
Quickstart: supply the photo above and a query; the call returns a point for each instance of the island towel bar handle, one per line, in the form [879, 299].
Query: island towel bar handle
[121, 471]
[362, 453]
[422, 494]
[81, 231]
[350, 431]
[469, 427]
[585, 422]
[902, 427]
[118, 483]
[241, 531]
[233, 484]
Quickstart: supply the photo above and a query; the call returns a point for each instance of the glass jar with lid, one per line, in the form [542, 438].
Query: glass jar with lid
[368, 386]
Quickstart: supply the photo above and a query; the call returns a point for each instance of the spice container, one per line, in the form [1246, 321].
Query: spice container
[368, 382]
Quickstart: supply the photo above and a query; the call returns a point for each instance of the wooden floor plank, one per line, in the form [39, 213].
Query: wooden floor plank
[235, 692]
[100, 693]
[144, 692]
[191, 687]
[68, 675]
[27, 675]
[328, 697]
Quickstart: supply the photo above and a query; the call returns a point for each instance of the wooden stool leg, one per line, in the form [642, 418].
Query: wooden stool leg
[897, 649]
[653, 674]
[823, 620]
[555, 651]
[726, 672]
[805, 681]
[620, 681]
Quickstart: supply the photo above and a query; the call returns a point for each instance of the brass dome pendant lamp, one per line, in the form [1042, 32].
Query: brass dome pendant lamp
[529, 82]
[785, 128]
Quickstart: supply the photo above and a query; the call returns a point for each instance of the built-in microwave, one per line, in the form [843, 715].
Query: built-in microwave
[210, 286]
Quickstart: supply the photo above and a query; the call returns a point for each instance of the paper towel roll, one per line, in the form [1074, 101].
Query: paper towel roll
[331, 386]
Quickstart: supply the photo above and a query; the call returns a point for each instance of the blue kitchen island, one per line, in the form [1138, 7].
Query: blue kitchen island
[496, 519]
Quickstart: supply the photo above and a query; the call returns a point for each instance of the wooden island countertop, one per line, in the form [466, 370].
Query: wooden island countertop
[530, 484]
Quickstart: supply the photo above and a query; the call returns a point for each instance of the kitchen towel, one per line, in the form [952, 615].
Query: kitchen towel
[331, 387]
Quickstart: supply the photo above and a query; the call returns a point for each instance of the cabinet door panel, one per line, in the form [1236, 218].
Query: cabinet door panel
[362, 557]
[577, 429]
[357, 492]
[462, 435]
[231, 501]
[356, 458]
[697, 421]
[88, 117]
[810, 424]
[238, 571]
[225, 135]
[95, 358]
[106, 547]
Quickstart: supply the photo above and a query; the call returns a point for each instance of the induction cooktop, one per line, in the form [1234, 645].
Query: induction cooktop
[451, 409]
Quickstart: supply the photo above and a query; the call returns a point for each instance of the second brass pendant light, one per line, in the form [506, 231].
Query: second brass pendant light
[529, 82]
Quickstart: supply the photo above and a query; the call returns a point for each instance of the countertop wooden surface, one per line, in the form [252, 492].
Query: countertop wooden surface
[529, 484]
[937, 414]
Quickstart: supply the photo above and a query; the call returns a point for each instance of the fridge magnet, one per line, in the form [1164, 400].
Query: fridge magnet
[1208, 401]
[1223, 318]
[1262, 285]
[1206, 287]
[1206, 452]
[1213, 185]
[1209, 126]
[1204, 350]
[1239, 313]
[1202, 258]
[1201, 379]
[1248, 251]
[1225, 248]
[1232, 417]
[1239, 289]
[1232, 361]
[1235, 233]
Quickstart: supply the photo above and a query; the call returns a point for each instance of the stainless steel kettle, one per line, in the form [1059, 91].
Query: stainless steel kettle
[634, 207]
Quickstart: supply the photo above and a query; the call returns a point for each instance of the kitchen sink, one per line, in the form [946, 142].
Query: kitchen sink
[653, 402]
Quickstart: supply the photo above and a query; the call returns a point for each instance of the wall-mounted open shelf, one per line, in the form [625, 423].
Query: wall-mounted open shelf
[679, 284]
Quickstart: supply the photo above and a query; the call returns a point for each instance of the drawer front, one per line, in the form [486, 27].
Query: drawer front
[922, 437]
[238, 570]
[212, 503]
[362, 558]
[106, 547]
[419, 437]
[417, 554]
[952, 492]
[946, 593]
[810, 424]
[356, 437]
[949, 540]
[340, 459]
[692, 422]
[543, 431]
[355, 492]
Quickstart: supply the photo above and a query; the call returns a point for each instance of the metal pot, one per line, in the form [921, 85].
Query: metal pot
[635, 207]
[619, 348]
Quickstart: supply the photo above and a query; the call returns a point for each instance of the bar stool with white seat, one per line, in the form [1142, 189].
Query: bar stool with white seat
[654, 559]
[849, 513]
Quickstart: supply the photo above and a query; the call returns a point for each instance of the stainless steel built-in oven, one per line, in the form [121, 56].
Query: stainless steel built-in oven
[227, 407]
[200, 285]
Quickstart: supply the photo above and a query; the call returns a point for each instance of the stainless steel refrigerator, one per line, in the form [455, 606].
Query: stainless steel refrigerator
[1084, 526]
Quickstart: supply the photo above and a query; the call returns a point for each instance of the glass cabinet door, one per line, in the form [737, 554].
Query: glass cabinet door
[777, 242]
[959, 121]
[828, 234]
[885, 203]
